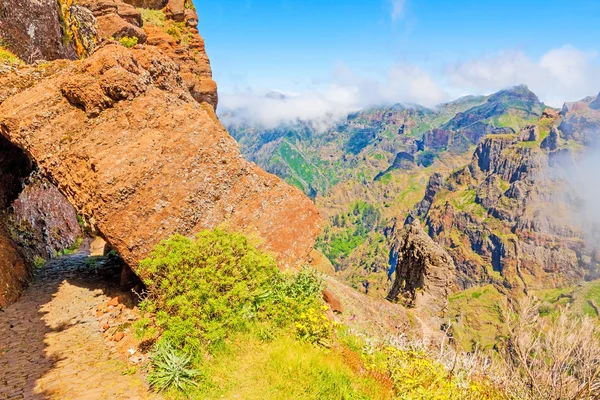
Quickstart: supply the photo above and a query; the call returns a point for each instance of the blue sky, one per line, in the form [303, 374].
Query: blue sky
[376, 50]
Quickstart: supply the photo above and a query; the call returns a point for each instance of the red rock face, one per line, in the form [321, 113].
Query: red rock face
[139, 157]
[13, 270]
[44, 219]
[14, 167]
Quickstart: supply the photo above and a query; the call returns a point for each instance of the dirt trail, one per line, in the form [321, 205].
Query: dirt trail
[51, 345]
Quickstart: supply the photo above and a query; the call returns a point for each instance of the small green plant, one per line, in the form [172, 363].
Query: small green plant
[152, 17]
[7, 57]
[143, 329]
[128, 41]
[39, 262]
[315, 327]
[176, 29]
[130, 371]
[171, 369]
[71, 249]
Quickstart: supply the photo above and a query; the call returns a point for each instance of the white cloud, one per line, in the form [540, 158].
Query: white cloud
[347, 92]
[398, 7]
[562, 74]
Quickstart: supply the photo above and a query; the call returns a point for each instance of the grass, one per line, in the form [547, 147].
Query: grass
[7, 57]
[152, 17]
[589, 291]
[475, 317]
[71, 249]
[284, 369]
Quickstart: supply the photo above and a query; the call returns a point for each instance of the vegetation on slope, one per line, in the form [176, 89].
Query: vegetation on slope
[227, 323]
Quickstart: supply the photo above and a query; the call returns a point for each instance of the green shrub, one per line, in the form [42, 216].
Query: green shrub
[7, 57]
[206, 288]
[171, 369]
[176, 29]
[206, 291]
[152, 17]
[128, 41]
[39, 262]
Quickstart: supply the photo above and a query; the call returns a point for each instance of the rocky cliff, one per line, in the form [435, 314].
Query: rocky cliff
[131, 139]
[424, 272]
[503, 218]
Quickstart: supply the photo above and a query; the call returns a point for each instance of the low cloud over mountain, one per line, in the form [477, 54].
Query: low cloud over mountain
[564, 73]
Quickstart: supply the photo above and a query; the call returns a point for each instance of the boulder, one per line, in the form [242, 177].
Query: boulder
[550, 113]
[112, 26]
[191, 17]
[175, 10]
[116, 19]
[333, 301]
[530, 133]
[129, 13]
[140, 159]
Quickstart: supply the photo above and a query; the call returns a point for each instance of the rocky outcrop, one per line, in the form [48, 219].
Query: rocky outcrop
[49, 30]
[424, 272]
[530, 133]
[192, 59]
[595, 105]
[552, 141]
[124, 140]
[503, 219]
[116, 19]
[581, 122]
[14, 272]
[33, 30]
[152, 4]
[42, 222]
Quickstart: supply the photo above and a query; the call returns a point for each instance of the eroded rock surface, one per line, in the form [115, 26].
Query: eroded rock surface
[33, 31]
[122, 137]
[42, 221]
[424, 271]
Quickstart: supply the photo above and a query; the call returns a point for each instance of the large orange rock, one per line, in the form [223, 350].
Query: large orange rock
[128, 145]
[192, 59]
[116, 19]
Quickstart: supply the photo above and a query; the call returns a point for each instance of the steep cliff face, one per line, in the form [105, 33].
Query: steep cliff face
[503, 219]
[33, 30]
[41, 221]
[424, 272]
[14, 167]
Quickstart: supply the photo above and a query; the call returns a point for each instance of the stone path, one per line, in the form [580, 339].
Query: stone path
[51, 344]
